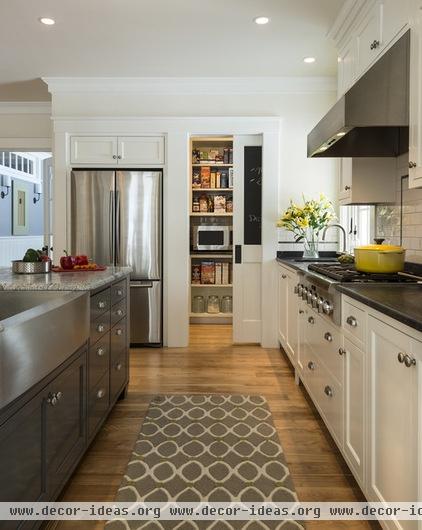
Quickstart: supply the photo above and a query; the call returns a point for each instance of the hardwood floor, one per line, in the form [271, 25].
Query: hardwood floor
[212, 364]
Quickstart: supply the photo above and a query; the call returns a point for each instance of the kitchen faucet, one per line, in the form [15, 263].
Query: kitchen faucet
[341, 228]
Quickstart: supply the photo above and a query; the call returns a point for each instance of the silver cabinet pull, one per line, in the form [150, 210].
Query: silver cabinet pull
[412, 165]
[352, 321]
[119, 367]
[311, 320]
[341, 351]
[119, 332]
[100, 328]
[54, 397]
[119, 312]
[119, 292]
[400, 357]
[101, 393]
[311, 365]
[100, 352]
[328, 337]
[409, 361]
[347, 188]
[101, 304]
[328, 391]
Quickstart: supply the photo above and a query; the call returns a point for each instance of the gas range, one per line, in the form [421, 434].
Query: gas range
[317, 286]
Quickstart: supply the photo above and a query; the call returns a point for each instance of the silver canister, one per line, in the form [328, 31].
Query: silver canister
[31, 267]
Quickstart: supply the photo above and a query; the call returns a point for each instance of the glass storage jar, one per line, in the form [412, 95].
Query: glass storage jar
[227, 304]
[198, 304]
[213, 305]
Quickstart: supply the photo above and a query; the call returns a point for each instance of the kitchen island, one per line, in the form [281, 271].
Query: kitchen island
[65, 362]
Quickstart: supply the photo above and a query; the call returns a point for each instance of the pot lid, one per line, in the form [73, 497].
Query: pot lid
[381, 248]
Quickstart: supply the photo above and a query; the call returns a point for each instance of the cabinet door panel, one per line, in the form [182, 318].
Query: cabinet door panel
[369, 33]
[93, 150]
[415, 101]
[118, 375]
[393, 422]
[395, 16]
[345, 180]
[65, 422]
[282, 306]
[145, 150]
[354, 409]
[292, 315]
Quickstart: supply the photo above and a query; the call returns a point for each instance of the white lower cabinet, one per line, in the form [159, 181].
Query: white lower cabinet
[354, 409]
[394, 452]
[288, 312]
[282, 305]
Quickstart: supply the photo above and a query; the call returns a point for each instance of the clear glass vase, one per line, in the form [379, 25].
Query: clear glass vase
[310, 243]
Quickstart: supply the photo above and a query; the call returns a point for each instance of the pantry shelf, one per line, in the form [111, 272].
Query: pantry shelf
[211, 315]
[209, 164]
[210, 255]
[212, 189]
[210, 214]
[212, 285]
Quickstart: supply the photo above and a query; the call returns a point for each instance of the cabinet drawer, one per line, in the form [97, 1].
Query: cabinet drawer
[353, 322]
[118, 292]
[99, 358]
[118, 375]
[326, 341]
[329, 397]
[98, 404]
[118, 311]
[100, 303]
[118, 339]
[99, 327]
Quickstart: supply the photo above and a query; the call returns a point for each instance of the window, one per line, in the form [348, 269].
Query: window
[359, 222]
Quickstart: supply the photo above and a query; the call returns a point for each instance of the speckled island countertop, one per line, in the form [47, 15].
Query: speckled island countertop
[60, 281]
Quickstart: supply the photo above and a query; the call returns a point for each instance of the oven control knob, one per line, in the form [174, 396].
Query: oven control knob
[327, 307]
[320, 304]
[309, 297]
[315, 300]
[299, 289]
[304, 293]
[296, 289]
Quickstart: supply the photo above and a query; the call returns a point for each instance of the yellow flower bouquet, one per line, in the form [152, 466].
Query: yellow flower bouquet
[307, 221]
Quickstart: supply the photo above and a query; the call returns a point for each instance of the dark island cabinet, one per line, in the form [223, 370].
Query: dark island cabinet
[41, 443]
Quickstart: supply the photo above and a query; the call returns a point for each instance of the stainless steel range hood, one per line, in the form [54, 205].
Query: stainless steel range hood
[372, 118]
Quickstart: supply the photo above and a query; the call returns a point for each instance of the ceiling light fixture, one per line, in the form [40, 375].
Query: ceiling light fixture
[261, 20]
[309, 60]
[47, 21]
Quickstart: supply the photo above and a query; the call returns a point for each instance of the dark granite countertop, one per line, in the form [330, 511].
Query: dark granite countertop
[397, 300]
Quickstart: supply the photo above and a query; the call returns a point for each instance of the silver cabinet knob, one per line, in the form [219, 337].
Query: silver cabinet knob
[119, 332]
[347, 188]
[119, 292]
[409, 361]
[283, 276]
[311, 365]
[341, 351]
[301, 311]
[328, 337]
[100, 352]
[327, 307]
[374, 44]
[328, 391]
[101, 304]
[119, 312]
[115, 157]
[100, 328]
[101, 393]
[311, 320]
[412, 165]
[400, 357]
[53, 398]
[59, 396]
[119, 157]
[119, 367]
[352, 321]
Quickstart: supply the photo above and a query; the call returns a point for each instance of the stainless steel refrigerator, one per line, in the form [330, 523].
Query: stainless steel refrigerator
[116, 219]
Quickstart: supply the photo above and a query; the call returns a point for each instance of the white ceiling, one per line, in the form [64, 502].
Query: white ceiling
[137, 38]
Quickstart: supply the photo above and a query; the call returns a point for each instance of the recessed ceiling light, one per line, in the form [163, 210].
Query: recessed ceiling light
[261, 20]
[309, 60]
[47, 21]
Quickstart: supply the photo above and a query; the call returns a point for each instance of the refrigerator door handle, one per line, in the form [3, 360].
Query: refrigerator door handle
[117, 251]
[111, 227]
[144, 285]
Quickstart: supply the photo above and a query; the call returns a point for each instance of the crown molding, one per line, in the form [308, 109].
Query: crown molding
[25, 107]
[190, 85]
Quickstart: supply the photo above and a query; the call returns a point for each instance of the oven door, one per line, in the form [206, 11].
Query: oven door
[211, 238]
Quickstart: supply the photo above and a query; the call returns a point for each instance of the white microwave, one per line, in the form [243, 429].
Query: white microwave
[212, 237]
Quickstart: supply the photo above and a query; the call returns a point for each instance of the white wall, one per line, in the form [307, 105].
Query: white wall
[25, 125]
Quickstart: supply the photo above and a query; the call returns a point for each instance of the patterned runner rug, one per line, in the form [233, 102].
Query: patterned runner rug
[214, 447]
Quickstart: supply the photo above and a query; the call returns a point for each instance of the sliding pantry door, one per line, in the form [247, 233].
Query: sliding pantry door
[247, 199]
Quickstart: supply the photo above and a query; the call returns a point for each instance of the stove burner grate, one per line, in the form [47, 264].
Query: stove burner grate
[348, 273]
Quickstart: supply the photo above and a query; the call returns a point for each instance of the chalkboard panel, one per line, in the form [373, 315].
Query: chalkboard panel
[252, 195]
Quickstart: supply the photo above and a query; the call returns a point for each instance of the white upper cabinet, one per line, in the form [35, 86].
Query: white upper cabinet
[93, 150]
[113, 150]
[395, 17]
[415, 111]
[148, 149]
[347, 66]
[369, 37]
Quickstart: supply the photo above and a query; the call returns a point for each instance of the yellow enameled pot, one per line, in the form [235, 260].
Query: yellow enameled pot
[382, 259]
